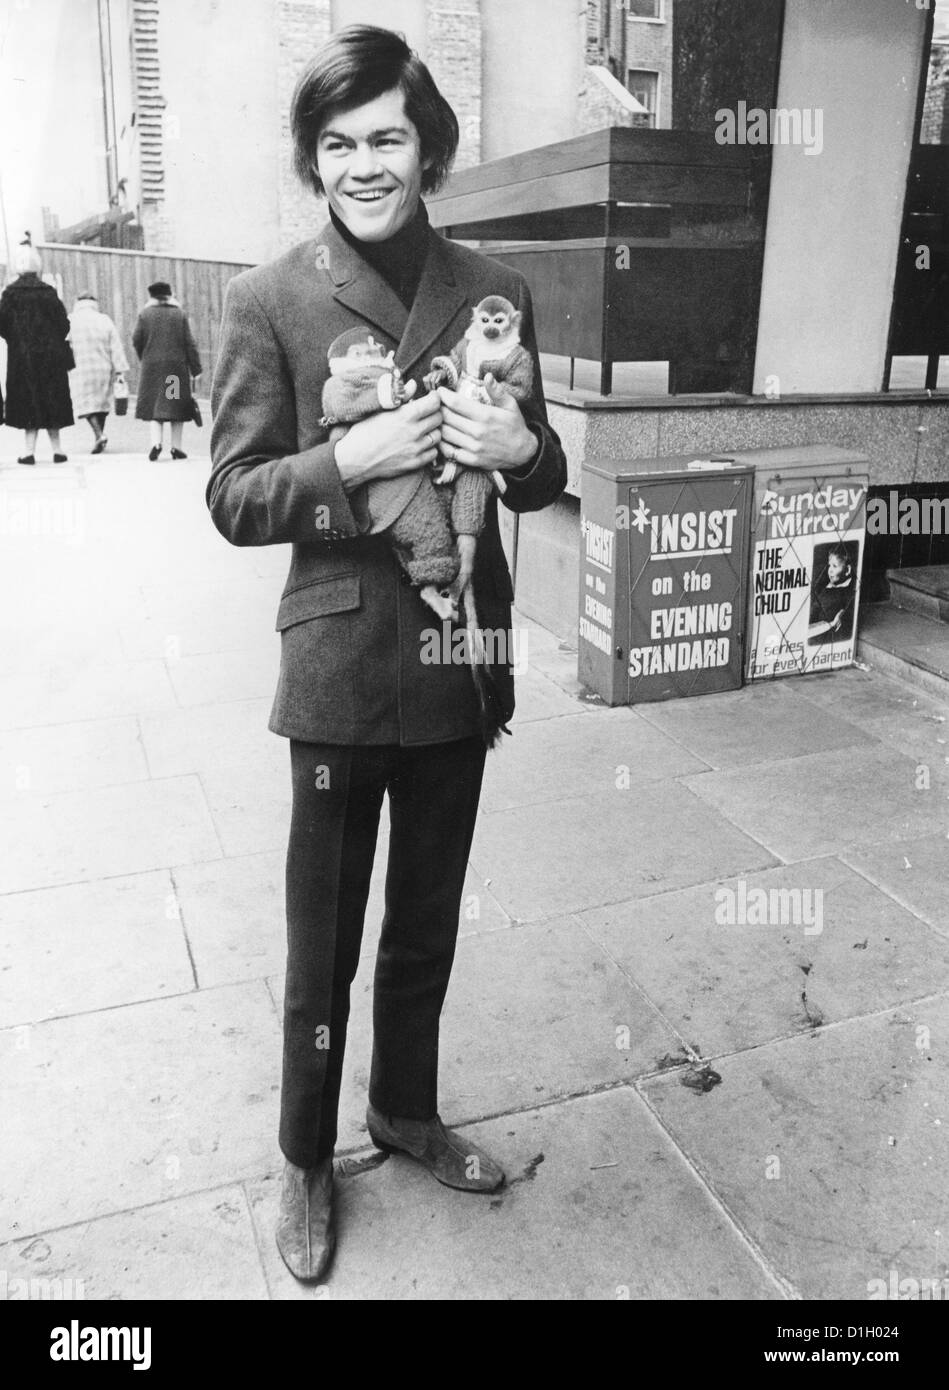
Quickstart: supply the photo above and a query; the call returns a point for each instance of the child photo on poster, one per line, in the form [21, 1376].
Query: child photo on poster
[833, 592]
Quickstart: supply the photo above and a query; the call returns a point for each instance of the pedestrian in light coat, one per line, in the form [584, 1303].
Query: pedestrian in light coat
[170, 358]
[100, 364]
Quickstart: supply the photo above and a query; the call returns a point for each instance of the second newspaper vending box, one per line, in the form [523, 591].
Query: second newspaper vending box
[808, 534]
[663, 577]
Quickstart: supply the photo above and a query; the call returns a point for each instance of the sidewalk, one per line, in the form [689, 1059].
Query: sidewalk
[598, 989]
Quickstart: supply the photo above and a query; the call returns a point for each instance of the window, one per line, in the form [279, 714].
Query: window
[644, 9]
[644, 86]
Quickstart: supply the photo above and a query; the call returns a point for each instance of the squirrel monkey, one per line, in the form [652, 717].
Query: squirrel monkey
[491, 346]
[363, 380]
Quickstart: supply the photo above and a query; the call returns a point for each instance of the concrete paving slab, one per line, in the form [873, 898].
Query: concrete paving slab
[562, 856]
[865, 695]
[731, 984]
[778, 802]
[109, 1111]
[580, 754]
[222, 677]
[539, 698]
[480, 910]
[760, 723]
[233, 911]
[913, 872]
[90, 946]
[560, 666]
[537, 638]
[598, 1206]
[174, 601]
[194, 635]
[75, 836]
[198, 1248]
[830, 1151]
[205, 738]
[70, 757]
[516, 1030]
[920, 738]
[36, 650]
[250, 805]
[897, 714]
[63, 695]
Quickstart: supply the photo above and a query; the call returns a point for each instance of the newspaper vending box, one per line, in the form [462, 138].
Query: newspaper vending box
[663, 577]
[808, 535]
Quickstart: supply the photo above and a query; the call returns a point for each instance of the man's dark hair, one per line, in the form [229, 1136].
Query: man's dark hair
[356, 66]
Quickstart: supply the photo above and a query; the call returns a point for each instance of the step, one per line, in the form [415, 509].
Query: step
[907, 645]
[922, 589]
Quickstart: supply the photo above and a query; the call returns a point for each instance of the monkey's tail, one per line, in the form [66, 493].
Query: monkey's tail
[491, 714]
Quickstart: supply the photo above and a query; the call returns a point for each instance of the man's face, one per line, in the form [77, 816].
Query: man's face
[369, 160]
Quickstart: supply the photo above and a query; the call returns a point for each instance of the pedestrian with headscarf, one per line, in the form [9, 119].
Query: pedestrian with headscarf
[169, 356]
[34, 322]
[101, 363]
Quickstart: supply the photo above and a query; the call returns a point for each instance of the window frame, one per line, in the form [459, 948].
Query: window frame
[650, 72]
[661, 18]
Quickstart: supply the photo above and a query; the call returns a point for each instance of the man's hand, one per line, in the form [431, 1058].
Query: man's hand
[391, 442]
[485, 436]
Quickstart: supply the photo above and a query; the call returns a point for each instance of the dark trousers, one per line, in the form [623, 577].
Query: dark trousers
[337, 798]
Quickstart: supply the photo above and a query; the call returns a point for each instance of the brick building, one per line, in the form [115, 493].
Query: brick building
[197, 138]
[633, 40]
[935, 124]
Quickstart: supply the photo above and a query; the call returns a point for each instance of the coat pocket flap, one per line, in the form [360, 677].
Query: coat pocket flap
[335, 594]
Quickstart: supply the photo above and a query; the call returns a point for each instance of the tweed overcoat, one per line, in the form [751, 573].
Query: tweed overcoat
[356, 638]
[34, 321]
[170, 358]
[100, 358]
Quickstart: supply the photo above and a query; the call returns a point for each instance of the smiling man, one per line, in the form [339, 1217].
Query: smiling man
[365, 715]
[370, 166]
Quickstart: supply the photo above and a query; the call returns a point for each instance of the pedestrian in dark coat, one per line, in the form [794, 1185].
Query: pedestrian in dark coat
[34, 322]
[370, 710]
[170, 358]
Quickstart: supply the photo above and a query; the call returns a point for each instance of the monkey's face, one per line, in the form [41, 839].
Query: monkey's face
[493, 325]
[370, 163]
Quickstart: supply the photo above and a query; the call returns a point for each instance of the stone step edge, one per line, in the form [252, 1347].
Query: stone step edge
[914, 599]
[912, 670]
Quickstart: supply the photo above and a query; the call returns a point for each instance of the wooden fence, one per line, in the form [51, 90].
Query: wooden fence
[120, 281]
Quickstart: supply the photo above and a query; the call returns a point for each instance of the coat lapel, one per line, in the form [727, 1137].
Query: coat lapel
[438, 302]
[359, 287]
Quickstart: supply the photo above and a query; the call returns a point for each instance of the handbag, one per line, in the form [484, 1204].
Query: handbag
[196, 412]
[120, 393]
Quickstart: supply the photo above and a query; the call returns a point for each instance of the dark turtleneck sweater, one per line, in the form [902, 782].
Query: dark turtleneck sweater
[401, 259]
